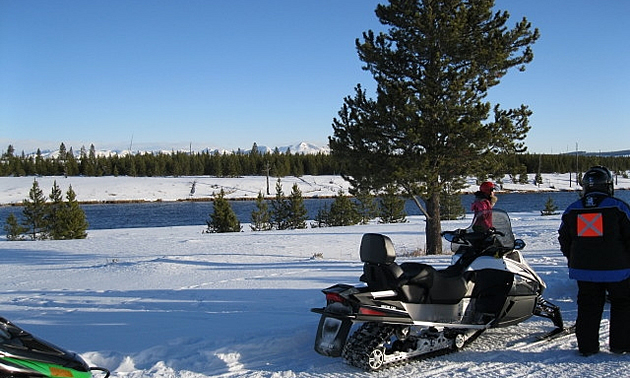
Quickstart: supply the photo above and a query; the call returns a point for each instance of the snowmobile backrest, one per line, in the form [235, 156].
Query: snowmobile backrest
[377, 249]
[380, 272]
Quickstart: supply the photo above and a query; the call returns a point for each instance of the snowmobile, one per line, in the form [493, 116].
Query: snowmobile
[23, 355]
[414, 311]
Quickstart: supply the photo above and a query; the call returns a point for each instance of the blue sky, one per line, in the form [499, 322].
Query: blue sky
[228, 73]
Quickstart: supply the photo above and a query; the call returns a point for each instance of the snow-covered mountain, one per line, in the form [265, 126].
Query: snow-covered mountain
[298, 148]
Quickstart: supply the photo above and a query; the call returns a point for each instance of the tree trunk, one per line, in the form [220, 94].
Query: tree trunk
[433, 226]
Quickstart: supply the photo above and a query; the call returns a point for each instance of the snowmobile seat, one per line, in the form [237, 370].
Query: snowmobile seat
[447, 288]
[418, 274]
[418, 280]
[380, 272]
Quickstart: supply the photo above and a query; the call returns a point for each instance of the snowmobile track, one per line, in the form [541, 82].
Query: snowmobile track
[362, 345]
[502, 363]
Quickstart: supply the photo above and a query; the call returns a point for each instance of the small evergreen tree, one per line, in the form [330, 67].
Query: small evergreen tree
[261, 218]
[366, 206]
[343, 212]
[34, 212]
[392, 209]
[296, 209]
[280, 209]
[451, 207]
[322, 217]
[54, 218]
[74, 224]
[223, 218]
[13, 228]
[538, 179]
[522, 175]
[550, 207]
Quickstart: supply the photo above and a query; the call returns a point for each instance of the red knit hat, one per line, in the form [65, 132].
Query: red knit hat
[486, 187]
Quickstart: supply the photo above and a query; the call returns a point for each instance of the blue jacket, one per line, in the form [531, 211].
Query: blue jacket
[595, 237]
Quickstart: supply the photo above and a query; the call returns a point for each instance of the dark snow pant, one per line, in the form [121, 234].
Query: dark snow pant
[591, 300]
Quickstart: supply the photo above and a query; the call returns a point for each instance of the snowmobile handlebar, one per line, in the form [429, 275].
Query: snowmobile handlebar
[464, 236]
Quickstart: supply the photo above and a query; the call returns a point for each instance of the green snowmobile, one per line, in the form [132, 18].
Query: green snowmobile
[23, 355]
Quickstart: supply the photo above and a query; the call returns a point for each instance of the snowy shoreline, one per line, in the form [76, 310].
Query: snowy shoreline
[124, 189]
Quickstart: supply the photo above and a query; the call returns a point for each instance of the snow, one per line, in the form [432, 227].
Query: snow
[176, 302]
[14, 190]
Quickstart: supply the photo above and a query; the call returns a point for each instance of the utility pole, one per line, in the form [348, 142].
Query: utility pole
[570, 174]
[267, 169]
[577, 167]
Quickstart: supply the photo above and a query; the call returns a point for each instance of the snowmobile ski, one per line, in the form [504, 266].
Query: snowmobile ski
[556, 333]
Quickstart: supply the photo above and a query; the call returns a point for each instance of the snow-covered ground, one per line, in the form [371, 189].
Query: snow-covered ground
[175, 302]
[14, 190]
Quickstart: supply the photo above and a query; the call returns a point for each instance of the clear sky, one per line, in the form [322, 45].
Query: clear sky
[228, 73]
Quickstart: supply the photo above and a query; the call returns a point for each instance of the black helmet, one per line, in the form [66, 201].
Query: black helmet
[598, 179]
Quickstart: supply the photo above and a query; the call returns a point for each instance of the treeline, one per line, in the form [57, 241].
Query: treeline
[177, 163]
[289, 213]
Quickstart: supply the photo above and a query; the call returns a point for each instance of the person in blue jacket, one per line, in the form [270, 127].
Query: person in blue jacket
[595, 237]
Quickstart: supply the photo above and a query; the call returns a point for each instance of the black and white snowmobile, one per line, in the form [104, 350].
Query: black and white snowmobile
[23, 355]
[412, 310]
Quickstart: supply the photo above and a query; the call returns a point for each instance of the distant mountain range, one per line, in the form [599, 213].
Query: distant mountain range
[298, 148]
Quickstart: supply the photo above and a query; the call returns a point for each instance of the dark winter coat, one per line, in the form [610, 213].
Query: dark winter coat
[595, 237]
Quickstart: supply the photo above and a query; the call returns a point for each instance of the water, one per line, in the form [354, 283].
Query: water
[165, 214]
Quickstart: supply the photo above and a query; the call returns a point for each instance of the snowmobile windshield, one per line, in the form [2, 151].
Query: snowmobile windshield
[503, 235]
[498, 235]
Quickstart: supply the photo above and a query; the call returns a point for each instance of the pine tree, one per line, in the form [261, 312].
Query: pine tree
[54, 213]
[296, 209]
[522, 174]
[367, 207]
[223, 218]
[550, 207]
[322, 219]
[538, 179]
[14, 230]
[74, 224]
[280, 209]
[451, 202]
[261, 218]
[392, 208]
[430, 122]
[343, 211]
[34, 213]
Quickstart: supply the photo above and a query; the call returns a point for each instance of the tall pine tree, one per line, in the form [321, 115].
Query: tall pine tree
[430, 123]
